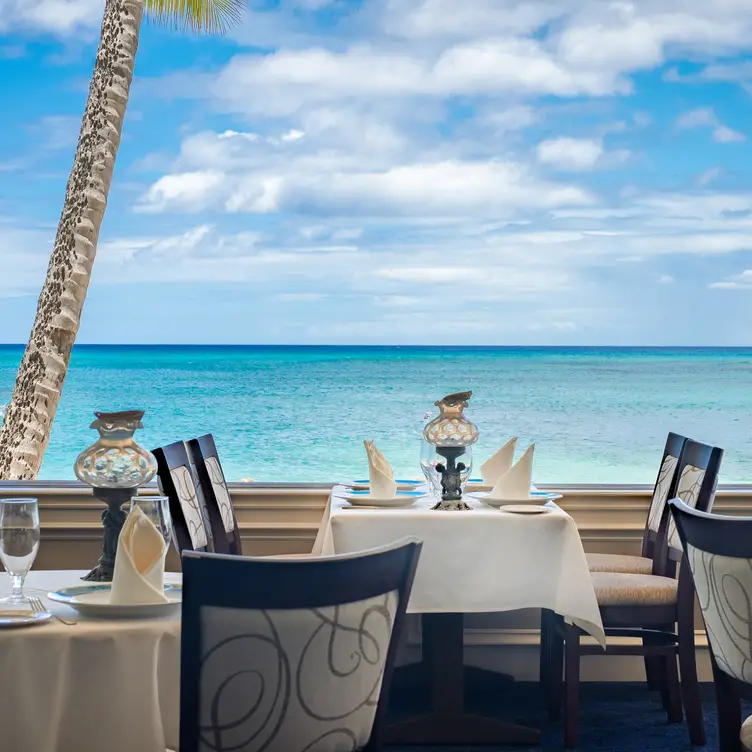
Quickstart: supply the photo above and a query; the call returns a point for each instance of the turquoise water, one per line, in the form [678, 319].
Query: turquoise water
[301, 413]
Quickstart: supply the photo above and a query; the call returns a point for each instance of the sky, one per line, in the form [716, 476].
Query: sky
[498, 172]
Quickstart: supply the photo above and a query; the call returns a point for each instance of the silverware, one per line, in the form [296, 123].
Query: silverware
[39, 608]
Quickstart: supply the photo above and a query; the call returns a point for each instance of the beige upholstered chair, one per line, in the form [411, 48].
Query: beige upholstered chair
[664, 489]
[719, 556]
[648, 606]
[298, 658]
[745, 736]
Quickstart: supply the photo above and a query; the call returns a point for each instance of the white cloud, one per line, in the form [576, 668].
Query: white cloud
[570, 153]
[724, 135]
[705, 117]
[710, 175]
[261, 176]
[741, 281]
[60, 17]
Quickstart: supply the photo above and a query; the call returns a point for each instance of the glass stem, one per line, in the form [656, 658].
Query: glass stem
[18, 583]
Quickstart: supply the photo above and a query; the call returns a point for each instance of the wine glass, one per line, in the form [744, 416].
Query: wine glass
[157, 509]
[19, 542]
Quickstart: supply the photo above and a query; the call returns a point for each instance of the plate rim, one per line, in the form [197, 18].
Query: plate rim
[39, 617]
[59, 596]
[539, 508]
[543, 496]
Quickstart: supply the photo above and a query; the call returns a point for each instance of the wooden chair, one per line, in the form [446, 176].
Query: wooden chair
[665, 486]
[647, 607]
[646, 563]
[719, 558]
[213, 486]
[281, 655]
[176, 481]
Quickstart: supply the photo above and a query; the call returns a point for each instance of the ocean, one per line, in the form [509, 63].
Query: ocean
[596, 415]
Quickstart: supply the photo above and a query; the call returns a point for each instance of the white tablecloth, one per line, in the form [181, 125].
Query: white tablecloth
[482, 560]
[98, 686]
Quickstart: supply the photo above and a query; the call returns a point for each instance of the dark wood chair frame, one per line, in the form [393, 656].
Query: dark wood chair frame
[316, 582]
[652, 545]
[654, 624]
[725, 536]
[224, 543]
[168, 458]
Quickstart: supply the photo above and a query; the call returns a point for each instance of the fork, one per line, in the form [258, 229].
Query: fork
[38, 608]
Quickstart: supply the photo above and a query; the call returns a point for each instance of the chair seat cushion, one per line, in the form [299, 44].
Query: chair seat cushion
[746, 735]
[619, 589]
[619, 563]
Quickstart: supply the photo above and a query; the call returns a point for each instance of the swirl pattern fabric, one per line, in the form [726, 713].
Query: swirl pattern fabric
[724, 590]
[217, 478]
[301, 680]
[660, 494]
[189, 503]
[688, 490]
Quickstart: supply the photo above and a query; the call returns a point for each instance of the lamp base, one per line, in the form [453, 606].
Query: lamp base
[451, 505]
[113, 519]
[451, 481]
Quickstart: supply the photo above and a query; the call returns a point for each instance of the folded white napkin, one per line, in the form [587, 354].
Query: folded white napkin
[514, 485]
[380, 474]
[491, 470]
[139, 563]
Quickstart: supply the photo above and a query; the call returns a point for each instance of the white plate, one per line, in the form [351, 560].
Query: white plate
[94, 600]
[524, 509]
[402, 499]
[15, 618]
[364, 485]
[536, 498]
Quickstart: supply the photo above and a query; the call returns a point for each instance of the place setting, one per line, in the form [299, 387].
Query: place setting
[138, 589]
[381, 490]
[514, 491]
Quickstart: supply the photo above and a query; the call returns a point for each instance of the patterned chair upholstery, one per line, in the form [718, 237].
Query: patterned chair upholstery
[719, 555]
[745, 735]
[663, 490]
[220, 510]
[189, 515]
[297, 660]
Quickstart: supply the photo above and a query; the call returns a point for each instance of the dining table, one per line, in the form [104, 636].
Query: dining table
[481, 560]
[91, 684]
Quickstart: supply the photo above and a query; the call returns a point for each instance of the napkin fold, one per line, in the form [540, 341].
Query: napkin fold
[139, 563]
[380, 474]
[514, 485]
[492, 469]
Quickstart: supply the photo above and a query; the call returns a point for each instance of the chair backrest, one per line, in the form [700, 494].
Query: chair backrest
[665, 488]
[177, 482]
[291, 654]
[719, 554]
[698, 469]
[219, 507]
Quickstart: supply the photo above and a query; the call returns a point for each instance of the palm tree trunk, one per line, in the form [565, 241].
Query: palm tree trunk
[28, 419]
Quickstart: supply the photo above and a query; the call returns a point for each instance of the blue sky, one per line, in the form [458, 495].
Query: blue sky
[398, 171]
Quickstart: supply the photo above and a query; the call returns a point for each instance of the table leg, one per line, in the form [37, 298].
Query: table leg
[447, 722]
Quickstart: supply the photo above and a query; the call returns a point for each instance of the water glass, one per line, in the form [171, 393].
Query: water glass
[157, 509]
[19, 542]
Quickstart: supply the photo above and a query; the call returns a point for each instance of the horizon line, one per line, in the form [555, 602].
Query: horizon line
[453, 346]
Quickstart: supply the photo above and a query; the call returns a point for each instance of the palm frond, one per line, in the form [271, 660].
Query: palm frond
[211, 16]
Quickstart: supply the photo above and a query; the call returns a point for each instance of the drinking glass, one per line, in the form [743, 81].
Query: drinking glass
[19, 542]
[157, 509]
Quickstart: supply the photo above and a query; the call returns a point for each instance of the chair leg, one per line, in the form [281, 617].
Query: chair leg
[690, 688]
[555, 683]
[545, 650]
[571, 686]
[652, 670]
[670, 691]
[729, 713]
